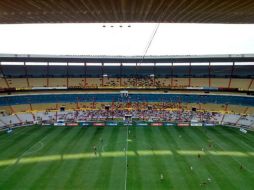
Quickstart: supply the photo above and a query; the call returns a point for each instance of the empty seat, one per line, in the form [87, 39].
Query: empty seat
[219, 82]
[37, 82]
[17, 82]
[240, 83]
[57, 82]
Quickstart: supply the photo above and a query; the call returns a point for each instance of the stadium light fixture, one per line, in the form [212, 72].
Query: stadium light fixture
[244, 63]
[199, 64]
[94, 64]
[112, 64]
[12, 63]
[76, 64]
[129, 64]
[181, 64]
[145, 64]
[221, 64]
[36, 63]
[163, 64]
[58, 64]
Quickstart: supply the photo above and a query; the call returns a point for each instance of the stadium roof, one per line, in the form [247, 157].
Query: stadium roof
[126, 59]
[85, 11]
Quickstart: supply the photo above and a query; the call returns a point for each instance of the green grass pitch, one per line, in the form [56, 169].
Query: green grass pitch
[64, 158]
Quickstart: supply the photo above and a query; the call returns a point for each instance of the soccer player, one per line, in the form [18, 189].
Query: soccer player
[199, 155]
[162, 177]
[95, 150]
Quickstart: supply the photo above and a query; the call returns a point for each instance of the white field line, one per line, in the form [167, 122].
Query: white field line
[126, 158]
[27, 151]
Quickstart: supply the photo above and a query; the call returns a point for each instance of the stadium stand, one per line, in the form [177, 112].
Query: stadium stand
[3, 83]
[230, 110]
[240, 83]
[76, 82]
[37, 82]
[228, 74]
[75, 101]
[219, 82]
[93, 82]
[18, 82]
[148, 82]
[57, 82]
[208, 83]
[197, 82]
[97, 115]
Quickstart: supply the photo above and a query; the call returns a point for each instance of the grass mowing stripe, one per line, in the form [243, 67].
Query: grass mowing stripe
[178, 180]
[94, 168]
[144, 169]
[229, 165]
[54, 169]
[229, 143]
[192, 178]
[4, 137]
[40, 178]
[117, 171]
[235, 138]
[247, 161]
[77, 173]
[105, 167]
[18, 130]
[23, 175]
[101, 175]
[19, 169]
[151, 135]
[219, 178]
[84, 170]
[60, 173]
[69, 165]
[18, 151]
[146, 165]
[7, 149]
[246, 138]
[134, 174]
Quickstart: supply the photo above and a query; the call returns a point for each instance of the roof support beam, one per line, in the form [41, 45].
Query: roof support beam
[209, 70]
[251, 82]
[2, 73]
[47, 74]
[121, 72]
[85, 66]
[172, 73]
[26, 73]
[232, 71]
[189, 75]
[67, 79]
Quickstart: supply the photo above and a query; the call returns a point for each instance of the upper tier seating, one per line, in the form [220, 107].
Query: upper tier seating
[243, 84]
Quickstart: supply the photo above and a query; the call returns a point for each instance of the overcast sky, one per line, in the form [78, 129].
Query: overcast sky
[94, 39]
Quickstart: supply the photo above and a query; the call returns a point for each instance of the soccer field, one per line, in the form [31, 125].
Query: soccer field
[64, 158]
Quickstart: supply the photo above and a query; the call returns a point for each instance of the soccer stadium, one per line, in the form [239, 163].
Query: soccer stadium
[113, 95]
